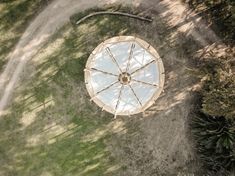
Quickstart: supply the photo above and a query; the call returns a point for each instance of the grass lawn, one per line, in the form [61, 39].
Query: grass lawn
[52, 128]
[15, 16]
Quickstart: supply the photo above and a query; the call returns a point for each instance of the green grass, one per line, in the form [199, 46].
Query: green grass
[52, 128]
[14, 18]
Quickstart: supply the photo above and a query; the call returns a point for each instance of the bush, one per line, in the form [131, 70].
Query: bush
[213, 125]
[218, 93]
[215, 143]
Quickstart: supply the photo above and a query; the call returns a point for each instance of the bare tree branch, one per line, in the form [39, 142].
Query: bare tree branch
[113, 13]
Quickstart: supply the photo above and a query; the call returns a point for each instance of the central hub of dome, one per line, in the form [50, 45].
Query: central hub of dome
[124, 78]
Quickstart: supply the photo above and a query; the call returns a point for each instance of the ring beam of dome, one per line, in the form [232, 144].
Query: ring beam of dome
[124, 75]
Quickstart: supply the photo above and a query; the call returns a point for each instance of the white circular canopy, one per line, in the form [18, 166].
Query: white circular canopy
[124, 75]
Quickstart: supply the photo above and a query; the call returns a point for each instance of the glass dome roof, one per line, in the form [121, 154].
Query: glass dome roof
[124, 75]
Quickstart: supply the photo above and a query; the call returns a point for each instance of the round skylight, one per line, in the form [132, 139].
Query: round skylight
[124, 75]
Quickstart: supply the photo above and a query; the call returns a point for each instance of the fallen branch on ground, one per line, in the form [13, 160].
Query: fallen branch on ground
[114, 13]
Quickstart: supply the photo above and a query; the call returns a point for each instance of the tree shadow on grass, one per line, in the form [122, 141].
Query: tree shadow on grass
[45, 128]
[14, 18]
[52, 128]
[6, 46]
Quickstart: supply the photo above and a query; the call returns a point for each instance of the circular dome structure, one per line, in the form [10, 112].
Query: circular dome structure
[124, 75]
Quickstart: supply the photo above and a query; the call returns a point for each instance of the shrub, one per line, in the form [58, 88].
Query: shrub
[214, 137]
[218, 93]
[213, 126]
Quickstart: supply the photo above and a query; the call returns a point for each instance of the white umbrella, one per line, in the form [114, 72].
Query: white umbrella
[124, 75]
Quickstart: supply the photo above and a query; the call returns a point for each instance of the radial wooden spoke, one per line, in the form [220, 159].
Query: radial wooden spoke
[119, 97]
[135, 95]
[143, 55]
[113, 58]
[142, 82]
[143, 67]
[108, 73]
[130, 56]
[107, 87]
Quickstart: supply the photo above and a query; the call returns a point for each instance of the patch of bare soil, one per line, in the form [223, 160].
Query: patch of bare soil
[158, 142]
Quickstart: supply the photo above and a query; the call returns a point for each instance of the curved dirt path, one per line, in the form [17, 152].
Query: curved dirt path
[163, 145]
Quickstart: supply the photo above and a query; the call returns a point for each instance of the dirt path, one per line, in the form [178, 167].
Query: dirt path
[163, 145]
